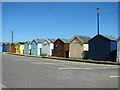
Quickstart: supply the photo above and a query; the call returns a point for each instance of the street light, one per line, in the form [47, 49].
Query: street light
[98, 10]
[98, 18]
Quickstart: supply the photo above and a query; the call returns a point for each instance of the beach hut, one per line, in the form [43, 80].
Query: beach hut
[0, 47]
[118, 50]
[20, 48]
[61, 48]
[78, 47]
[13, 47]
[8, 47]
[27, 47]
[36, 46]
[47, 46]
[102, 47]
[4, 47]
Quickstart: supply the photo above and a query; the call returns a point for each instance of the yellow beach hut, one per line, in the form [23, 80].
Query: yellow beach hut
[20, 48]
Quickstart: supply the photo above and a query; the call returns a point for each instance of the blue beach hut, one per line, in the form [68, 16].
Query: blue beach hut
[36, 46]
[4, 47]
[27, 47]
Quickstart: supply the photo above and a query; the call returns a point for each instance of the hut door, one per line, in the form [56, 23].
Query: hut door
[52, 52]
[40, 51]
[23, 51]
[67, 54]
[30, 52]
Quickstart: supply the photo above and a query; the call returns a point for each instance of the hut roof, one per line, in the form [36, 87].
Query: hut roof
[51, 40]
[85, 39]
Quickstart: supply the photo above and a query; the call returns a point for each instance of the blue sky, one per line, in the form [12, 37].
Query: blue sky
[31, 20]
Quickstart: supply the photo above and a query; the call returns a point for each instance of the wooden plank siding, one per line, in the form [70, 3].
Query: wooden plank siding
[4, 47]
[36, 46]
[8, 47]
[27, 48]
[100, 48]
[78, 47]
[66, 50]
[33, 47]
[61, 48]
[48, 46]
[13, 48]
[20, 48]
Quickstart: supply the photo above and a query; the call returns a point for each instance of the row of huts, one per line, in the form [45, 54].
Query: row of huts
[100, 47]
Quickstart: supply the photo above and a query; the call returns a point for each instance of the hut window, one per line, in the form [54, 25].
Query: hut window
[44, 44]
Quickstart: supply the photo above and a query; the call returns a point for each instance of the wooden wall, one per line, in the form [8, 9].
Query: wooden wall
[61, 48]
[13, 48]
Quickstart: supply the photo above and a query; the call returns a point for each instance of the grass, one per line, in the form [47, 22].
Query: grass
[11, 52]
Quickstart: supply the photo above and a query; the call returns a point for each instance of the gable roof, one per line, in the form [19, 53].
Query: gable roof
[65, 40]
[9, 43]
[84, 39]
[28, 42]
[111, 38]
[14, 43]
[21, 42]
[51, 40]
[5, 43]
[38, 40]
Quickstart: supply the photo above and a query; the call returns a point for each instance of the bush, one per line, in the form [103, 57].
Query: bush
[44, 54]
[11, 52]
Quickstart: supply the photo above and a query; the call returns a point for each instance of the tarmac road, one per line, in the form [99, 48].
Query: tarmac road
[31, 72]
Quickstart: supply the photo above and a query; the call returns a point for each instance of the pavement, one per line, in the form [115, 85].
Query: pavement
[31, 72]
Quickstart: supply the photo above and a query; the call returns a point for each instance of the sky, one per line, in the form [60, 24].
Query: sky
[30, 20]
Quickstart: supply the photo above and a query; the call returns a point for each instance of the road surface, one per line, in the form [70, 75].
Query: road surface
[31, 72]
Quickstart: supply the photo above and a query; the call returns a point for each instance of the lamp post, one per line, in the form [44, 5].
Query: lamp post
[98, 19]
[12, 36]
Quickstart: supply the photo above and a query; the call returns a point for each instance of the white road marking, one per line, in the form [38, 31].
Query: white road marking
[114, 76]
[105, 67]
[115, 67]
[40, 63]
[68, 68]
[85, 68]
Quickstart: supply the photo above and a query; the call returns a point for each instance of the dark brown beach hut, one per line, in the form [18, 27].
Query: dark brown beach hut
[61, 48]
